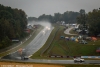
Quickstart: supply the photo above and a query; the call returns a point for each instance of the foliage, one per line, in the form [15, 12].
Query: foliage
[94, 22]
[68, 17]
[91, 20]
[32, 18]
[81, 17]
[45, 17]
[13, 22]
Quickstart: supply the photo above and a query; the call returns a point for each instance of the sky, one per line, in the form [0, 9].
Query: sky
[35, 8]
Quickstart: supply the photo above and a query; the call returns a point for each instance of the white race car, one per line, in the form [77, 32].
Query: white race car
[78, 60]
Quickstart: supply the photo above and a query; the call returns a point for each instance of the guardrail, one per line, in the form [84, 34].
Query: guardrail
[58, 56]
[90, 56]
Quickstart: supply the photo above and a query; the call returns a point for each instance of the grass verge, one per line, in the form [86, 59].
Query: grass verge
[62, 47]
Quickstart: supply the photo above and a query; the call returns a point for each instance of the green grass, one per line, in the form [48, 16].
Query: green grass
[76, 49]
[66, 48]
[57, 50]
[72, 48]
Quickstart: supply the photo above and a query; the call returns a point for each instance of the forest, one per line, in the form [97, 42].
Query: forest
[68, 17]
[91, 21]
[13, 22]
[88, 21]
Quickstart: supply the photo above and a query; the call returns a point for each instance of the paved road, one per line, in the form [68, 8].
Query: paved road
[67, 31]
[63, 61]
[34, 45]
[58, 61]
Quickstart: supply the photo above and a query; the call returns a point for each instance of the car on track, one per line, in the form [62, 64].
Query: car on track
[26, 58]
[78, 60]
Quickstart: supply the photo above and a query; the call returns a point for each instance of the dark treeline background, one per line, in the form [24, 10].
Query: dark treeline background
[68, 17]
[91, 21]
[13, 22]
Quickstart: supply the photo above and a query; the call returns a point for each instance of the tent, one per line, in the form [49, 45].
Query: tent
[67, 38]
[72, 38]
[76, 40]
[94, 38]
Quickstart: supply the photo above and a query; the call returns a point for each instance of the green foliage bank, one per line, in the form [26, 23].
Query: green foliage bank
[13, 22]
[91, 21]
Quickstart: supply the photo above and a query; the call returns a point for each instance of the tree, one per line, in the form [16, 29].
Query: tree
[70, 16]
[32, 19]
[82, 19]
[57, 17]
[94, 22]
[5, 42]
[13, 22]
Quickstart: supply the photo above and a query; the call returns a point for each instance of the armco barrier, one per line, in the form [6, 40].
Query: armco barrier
[58, 56]
[90, 56]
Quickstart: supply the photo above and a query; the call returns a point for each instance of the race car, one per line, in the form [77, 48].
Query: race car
[78, 60]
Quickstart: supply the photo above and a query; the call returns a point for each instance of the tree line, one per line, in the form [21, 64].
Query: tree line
[68, 17]
[13, 22]
[91, 21]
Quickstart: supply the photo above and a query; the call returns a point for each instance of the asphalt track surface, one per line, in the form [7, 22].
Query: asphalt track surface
[32, 47]
[67, 31]
[35, 45]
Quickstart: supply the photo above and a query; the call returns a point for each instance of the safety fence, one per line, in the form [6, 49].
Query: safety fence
[58, 56]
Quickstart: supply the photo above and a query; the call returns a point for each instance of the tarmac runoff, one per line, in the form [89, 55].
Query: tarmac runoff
[67, 31]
